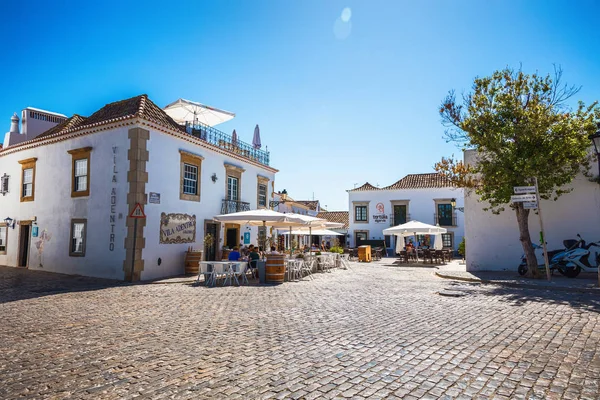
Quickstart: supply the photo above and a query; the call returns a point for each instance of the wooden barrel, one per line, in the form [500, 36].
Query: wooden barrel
[225, 255]
[192, 261]
[275, 268]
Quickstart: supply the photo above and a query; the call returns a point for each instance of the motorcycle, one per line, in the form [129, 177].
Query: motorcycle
[570, 263]
[522, 269]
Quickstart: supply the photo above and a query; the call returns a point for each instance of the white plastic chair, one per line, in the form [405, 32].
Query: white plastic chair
[239, 270]
[208, 272]
[228, 273]
[345, 261]
[306, 267]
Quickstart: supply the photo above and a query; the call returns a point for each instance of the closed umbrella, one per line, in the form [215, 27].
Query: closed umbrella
[256, 139]
[234, 138]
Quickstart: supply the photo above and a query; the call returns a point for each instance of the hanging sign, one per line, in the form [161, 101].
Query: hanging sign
[523, 197]
[524, 189]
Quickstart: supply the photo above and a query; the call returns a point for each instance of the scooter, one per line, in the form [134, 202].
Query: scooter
[522, 269]
[572, 262]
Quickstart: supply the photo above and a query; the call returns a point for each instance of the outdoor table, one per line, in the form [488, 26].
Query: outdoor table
[222, 268]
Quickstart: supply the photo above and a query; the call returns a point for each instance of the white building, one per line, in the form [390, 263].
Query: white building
[416, 197]
[67, 192]
[492, 241]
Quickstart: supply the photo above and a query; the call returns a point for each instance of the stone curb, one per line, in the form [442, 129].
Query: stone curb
[517, 285]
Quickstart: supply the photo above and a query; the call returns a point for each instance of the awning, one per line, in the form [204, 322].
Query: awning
[183, 111]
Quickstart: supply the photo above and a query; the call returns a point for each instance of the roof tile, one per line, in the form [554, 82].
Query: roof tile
[342, 217]
[421, 181]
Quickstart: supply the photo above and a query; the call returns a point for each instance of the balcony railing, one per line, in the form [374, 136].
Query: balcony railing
[444, 220]
[231, 206]
[224, 141]
[395, 222]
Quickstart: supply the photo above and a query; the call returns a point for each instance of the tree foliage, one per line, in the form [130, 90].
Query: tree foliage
[521, 127]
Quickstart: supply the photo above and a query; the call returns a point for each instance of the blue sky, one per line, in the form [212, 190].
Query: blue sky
[339, 103]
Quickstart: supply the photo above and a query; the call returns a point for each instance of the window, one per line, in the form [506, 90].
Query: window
[399, 214]
[3, 237]
[4, 184]
[80, 175]
[262, 195]
[232, 188]
[360, 213]
[189, 185]
[388, 241]
[28, 179]
[78, 233]
[190, 179]
[447, 240]
[444, 216]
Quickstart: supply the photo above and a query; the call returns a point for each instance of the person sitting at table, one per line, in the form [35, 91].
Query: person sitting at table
[253, 257]
[234, 255]
[273, 250]
[323, 246]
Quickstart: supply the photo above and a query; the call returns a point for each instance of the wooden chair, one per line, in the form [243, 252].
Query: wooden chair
[439, 256]
[427, 256]
[403, 256]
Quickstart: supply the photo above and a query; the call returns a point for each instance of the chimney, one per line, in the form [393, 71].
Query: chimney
[14, 124]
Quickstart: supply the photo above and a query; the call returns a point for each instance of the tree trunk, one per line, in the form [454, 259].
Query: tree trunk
[525, 238]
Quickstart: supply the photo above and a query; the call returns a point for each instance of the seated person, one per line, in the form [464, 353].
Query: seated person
[274, 250]
[234, 255]
[253, 256]
[323, 246]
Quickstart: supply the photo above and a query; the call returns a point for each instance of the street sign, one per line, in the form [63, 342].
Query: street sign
[138, 212]
[523, 197]
[530, 204]
[524, 189]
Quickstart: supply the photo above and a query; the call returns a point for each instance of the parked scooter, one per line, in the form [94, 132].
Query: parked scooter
[522, 269]
[570, 263]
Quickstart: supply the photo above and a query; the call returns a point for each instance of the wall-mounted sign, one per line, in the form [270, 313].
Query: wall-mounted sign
[34, 231]
[177, 228]
[380, 218]
[154, 198]
[380, 208]
[246, 237]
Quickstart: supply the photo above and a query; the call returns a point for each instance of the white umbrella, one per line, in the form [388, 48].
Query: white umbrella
[256, 139]
[183, 111]
[318, 232]
[234, 138]
[413, 228]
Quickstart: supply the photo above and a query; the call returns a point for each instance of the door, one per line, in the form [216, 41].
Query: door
[211, 251]
[24, 237]
[231, 238]
[359, 237]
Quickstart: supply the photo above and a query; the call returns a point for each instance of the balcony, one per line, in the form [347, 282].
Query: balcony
[232, 206]
[444, 220]
[223, 141]
[396, 222]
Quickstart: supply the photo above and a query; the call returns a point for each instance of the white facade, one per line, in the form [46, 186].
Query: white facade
[492, 241]
[112, 173]
[421, 205]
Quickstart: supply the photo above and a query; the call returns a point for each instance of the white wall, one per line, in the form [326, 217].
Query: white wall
[54, 207]
[421, 207]
[163, 177]
[492, 241]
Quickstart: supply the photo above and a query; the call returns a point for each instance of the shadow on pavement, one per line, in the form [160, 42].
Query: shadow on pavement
[21, 284]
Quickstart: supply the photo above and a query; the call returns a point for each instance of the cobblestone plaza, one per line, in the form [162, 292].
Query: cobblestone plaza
[374, 331]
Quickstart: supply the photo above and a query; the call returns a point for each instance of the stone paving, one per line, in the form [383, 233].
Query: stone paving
[374, 331]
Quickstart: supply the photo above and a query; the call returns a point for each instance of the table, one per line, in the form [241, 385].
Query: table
[218, 269]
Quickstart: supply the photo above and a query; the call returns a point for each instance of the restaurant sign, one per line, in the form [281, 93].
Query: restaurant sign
[177, 228]
[380, 218]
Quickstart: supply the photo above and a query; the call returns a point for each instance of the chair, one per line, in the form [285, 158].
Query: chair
[227, 273]
[344, 261]
[427, 256]
[239, 270]
[439, 256]
[293, 269]
[208, 272]
[403, 256]
[306, 267]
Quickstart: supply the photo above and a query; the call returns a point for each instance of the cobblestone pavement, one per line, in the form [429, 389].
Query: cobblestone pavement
[369, 332]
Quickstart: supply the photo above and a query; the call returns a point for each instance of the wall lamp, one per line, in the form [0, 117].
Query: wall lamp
[275, 203]
[10, 222]
[453, 202]
[214, 178]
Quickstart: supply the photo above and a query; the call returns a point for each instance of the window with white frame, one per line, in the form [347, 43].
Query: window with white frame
[78, 233]
[81, 175]
[232, 188]
[3, 237]
[190, 179]
[27, 182]
[4, 179]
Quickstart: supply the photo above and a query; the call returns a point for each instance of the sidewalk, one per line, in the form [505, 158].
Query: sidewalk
[585, 282]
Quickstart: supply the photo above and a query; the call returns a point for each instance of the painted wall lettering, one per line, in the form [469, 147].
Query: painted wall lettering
[113, 201]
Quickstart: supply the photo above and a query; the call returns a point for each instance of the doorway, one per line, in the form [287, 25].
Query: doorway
[24, 241]
[210, 252]
[232, 237]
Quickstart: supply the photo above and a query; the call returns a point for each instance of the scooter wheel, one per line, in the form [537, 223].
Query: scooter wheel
[572, 272]
[522, 270]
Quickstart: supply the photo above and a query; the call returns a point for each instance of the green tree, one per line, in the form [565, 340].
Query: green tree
[521, 127]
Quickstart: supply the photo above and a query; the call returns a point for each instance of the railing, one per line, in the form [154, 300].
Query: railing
[231, 206]
[399, 221]
[224, 141]
[443, 220]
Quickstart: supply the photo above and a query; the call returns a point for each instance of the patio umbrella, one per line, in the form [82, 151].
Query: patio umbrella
[234, 138]
[313, 222]
[261, 217]
[413, 228]
[183, 111]
[318, 232]
[256, 139]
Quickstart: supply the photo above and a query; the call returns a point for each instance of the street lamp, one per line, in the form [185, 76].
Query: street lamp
[275, 203]
[10, 223]
[453, 203]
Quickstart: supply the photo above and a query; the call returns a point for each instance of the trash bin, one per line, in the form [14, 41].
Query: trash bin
[364, 253]
[262, 271]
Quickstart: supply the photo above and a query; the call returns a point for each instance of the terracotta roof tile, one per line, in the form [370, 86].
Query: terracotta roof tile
[365, 187]
[311, 204]
[71, 123]
[341, 217]
[421, 181]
